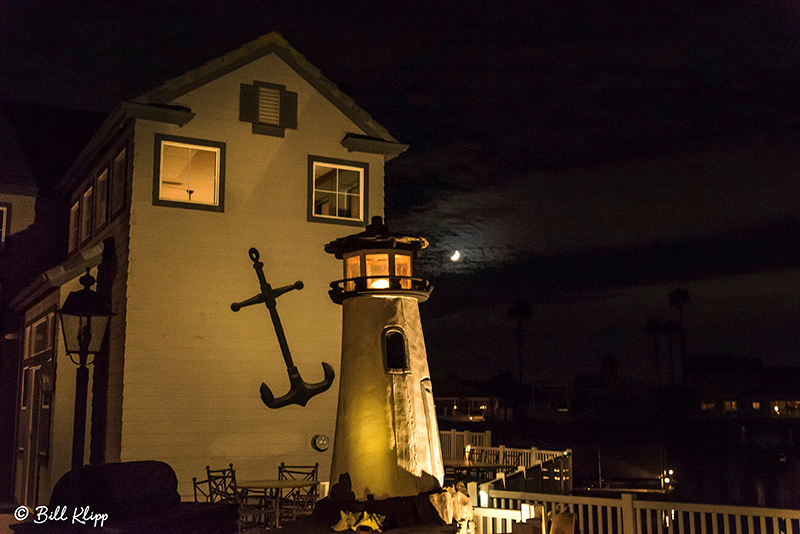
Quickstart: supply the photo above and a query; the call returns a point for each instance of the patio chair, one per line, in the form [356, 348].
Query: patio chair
[220, 486]
[299, 501]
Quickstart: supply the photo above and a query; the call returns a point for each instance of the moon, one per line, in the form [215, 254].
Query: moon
[456, 256]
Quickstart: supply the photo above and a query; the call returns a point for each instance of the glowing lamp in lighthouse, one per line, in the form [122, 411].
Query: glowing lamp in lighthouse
[387, 437]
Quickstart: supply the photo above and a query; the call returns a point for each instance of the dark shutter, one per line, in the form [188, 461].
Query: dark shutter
[248, 103]
[288, 118]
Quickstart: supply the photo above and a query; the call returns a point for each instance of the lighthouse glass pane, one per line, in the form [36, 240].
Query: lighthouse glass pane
[402, 267]
[352, 269]
[377, 265]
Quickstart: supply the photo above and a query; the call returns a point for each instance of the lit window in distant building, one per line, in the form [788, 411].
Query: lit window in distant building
[706, 405]
[756, 405]
[190, 173]
[730, 406]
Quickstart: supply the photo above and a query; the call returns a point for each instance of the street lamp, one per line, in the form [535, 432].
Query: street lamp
[84, 318]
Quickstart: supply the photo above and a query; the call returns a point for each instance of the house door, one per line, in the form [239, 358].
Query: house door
[33, 416]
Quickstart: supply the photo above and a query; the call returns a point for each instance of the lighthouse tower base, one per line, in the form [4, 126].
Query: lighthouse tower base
[387, 437]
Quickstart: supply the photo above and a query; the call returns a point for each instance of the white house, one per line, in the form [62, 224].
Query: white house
[254, 149]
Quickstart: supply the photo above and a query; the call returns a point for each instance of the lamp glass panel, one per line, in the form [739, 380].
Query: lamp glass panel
[402, 267]
[377, 265]
[352, 269]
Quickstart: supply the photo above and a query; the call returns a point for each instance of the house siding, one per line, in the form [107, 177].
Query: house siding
[192, 367]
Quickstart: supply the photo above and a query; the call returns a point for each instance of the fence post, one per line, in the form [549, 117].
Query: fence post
[628, 514]
[502, 455]
[472, 490]
[488, 438]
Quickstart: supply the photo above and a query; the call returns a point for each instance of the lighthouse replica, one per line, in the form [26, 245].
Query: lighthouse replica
[387, 438]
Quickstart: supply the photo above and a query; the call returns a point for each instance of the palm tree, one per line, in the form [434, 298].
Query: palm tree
[653, 328]
[670, 328]
[519, 310]
[679, 298]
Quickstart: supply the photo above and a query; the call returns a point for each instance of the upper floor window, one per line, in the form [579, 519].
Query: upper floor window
[189, 173]
[337, 190]
[119, 173]
[74, 213]
[86, 215]
[5, 223]
[269, 107]
[101, 200]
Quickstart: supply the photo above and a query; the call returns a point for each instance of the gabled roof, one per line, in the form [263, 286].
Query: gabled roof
[271, 43]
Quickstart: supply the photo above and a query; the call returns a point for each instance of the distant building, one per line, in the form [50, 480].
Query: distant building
[256, 148]
[458, 402]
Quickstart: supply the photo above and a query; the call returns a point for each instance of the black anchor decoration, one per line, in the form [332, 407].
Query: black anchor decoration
[300, 391]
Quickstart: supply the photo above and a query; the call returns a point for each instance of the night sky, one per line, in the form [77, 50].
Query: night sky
[586, 157]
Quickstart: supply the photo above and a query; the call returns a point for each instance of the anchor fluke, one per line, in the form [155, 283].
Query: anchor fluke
[300, 392]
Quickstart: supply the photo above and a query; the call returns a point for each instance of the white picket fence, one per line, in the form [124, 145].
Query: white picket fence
[495, 511]
[518, 457]
[454, 442]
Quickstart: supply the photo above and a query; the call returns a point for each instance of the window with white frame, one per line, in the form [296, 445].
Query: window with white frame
[74, 222]
[189, 173]
[337, 190]
[86, 215]
[4, 224]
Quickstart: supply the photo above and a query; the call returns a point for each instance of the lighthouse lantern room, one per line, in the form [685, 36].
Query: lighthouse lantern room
[387, 437]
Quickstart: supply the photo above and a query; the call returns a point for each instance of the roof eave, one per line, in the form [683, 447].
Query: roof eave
[115, 121]
[56, 277]
[372, 145]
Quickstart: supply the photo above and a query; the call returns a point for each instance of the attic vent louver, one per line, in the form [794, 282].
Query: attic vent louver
[269, 106]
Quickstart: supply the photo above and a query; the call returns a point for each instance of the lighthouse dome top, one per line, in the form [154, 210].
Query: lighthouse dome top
[375, 236]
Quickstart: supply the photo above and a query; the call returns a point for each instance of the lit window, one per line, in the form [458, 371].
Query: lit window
[190, 173]
[74, 221]
[101, 200]
[86, 215]
[731, 406]
[756, 405]
[394, 345]
[119, 173]
[707, 405]
[269, 107]
[402, 267]
[337, 190]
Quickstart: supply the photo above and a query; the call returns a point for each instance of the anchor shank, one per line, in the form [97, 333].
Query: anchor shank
[269, 300]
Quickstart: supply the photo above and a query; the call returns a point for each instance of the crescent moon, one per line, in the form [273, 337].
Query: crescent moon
[456, 256]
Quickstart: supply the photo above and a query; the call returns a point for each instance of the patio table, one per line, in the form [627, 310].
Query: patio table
[273, 488]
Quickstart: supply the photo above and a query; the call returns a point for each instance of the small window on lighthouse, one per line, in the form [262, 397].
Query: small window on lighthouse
[402, 267]
[394, 346]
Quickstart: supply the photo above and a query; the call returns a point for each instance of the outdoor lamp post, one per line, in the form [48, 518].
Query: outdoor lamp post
[84, 318]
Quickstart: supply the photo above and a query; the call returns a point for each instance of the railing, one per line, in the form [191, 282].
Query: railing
[517, 457]
[454, 442]
[552, 476]
[495, 510]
